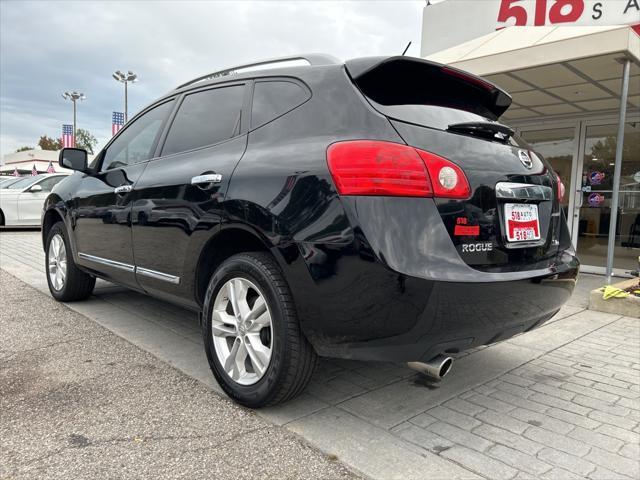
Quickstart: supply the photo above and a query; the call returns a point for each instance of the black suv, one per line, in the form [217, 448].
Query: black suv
[372, 210]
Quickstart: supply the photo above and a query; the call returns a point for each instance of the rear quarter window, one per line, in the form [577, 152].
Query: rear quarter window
[274, 98]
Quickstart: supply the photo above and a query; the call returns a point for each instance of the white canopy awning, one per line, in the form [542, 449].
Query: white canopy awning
[27, 166]
[554, 71]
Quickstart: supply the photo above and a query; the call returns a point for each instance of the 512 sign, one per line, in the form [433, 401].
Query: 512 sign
[551, 12]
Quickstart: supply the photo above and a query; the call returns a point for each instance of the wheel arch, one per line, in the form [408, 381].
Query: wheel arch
[229, 240]
[53, 213]
[50, 218]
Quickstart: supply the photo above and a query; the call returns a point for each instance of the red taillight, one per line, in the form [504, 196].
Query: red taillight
[561, 189]
[447, 179]
[371, 167]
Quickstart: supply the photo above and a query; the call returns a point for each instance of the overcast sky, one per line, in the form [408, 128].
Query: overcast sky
[49, 47]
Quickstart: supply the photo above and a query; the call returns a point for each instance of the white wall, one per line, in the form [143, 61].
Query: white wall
[31, 155]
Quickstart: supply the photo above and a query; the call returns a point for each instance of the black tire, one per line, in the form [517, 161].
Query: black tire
[1, 219]
[293, 359]
[78, 285]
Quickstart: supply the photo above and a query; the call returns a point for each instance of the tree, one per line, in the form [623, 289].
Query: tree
[48, 143]
[84, 139]
[605, 150]
[24, 149]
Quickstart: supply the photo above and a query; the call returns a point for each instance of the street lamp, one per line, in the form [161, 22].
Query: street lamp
[74, 97]
[125, 78]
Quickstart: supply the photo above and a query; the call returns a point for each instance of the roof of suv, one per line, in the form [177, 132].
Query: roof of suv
[495, 99]
[253, 69]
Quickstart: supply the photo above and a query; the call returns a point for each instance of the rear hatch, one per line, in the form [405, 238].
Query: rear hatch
[511, 219]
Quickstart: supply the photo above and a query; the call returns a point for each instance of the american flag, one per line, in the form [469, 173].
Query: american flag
[50, 168]
[34, 171]
[117, 121]
[67, 137]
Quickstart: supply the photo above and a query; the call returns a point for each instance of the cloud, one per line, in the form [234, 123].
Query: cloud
[77, 45]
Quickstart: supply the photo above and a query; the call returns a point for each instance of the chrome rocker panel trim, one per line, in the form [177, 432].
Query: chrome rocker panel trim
[105, 261]
[158, 275]
[131, 268]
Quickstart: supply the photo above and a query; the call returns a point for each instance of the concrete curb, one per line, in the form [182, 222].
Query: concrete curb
[628, 307]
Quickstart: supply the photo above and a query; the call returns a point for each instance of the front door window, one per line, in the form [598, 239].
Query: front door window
[135, 143]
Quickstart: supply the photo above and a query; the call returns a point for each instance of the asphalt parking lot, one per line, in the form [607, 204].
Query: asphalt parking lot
[560, 402]
[81, 402]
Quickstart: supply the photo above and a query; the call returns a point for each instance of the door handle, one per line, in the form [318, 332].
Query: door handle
[207, 178]
[123, 189]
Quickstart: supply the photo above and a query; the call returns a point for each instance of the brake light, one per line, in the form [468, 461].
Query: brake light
[561, 189]
[371, 167]
[467, 78]
[449, 181]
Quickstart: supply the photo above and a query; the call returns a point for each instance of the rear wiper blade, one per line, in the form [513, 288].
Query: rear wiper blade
[483, 129]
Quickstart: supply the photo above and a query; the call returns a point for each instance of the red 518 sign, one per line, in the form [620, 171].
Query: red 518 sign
[546, 12]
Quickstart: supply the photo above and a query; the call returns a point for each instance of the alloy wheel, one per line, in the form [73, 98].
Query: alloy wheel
[242, 331]
[57, 262]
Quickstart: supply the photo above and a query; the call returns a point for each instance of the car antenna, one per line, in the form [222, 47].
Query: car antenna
[405, 50]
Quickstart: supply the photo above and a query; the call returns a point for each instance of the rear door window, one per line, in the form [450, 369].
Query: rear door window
[205, 118]
[274, 98]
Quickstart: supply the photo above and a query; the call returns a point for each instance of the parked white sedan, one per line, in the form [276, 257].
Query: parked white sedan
[21, 202]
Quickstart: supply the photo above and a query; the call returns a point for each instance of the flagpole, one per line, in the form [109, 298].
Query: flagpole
[74, 97]
[125, 78]
[74, 123]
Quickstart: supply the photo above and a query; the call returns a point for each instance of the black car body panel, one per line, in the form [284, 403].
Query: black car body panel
[373, 277]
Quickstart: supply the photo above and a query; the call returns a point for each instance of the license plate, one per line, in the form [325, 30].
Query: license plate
[522, 222]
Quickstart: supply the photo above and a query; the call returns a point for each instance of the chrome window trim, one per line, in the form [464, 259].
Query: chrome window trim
[158, 275]
[107, 262]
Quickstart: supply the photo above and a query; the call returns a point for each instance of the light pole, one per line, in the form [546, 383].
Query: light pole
[74, 97]
[125, 78]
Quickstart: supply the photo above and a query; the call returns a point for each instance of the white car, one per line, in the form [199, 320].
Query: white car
[6, 181]
[21, 202]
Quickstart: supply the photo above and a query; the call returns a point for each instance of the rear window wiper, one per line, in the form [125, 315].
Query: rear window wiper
[489, 130]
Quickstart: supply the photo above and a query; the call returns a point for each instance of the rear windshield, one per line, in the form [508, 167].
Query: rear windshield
[428, 115]
[437, 117]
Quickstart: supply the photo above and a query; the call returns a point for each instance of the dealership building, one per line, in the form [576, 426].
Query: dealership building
[24, 162]
[573, 88]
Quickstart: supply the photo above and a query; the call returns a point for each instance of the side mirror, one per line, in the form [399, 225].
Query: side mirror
[35, 189]
[74, 159]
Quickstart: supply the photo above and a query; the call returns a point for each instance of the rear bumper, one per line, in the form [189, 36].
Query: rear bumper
[394, 289]
[459, 316]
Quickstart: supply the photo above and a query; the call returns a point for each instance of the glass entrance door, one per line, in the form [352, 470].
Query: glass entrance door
[594, 201]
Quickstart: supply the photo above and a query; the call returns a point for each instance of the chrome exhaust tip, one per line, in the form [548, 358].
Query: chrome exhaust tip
[435, 368]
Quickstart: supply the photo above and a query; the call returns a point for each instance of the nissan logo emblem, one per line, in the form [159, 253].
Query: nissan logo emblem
[525, 159]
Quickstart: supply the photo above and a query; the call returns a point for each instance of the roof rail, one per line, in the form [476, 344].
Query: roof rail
[311, 58]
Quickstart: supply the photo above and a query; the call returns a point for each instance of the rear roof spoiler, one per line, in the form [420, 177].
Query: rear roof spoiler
[371, 75]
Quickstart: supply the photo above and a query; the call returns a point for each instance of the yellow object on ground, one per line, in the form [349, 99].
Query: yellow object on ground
[613, 292]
